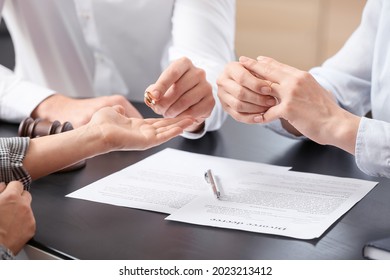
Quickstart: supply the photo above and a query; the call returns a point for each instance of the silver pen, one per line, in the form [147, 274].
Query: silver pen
[211, 180]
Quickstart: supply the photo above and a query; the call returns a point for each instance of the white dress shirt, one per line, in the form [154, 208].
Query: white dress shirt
[87, 48]
[359, 76]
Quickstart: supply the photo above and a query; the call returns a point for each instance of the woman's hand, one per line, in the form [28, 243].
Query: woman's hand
[238, 91]
[304, 104]
[79, 111]
[108, 130]
[118, 132]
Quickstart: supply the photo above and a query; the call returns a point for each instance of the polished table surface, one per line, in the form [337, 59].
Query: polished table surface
[82, 229]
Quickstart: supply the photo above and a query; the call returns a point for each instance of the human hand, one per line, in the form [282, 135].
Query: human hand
[117, 132]
[17, 223]
[79, 111]
[182, 90]
[238, 91]
[304, 104]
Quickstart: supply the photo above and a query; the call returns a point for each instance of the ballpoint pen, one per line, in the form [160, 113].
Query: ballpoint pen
[211, 180]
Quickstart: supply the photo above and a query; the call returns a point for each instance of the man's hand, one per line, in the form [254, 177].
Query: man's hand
[182, 90]
[79, 111]
[17, 223]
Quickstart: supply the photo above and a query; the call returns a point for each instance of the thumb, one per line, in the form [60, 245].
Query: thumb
[119, 109]
[272, 114]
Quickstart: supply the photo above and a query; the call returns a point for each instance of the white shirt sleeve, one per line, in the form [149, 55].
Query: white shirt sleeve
[204, 31]
[348, 75]
[373, 156]
[18, 98]
[348, 80]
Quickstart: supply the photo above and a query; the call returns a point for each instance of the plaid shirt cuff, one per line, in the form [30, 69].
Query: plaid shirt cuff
[12, 152]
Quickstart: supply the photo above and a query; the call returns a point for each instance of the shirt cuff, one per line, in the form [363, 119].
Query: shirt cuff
[195, 135]
[371, 155]
[21, 100]
[12, 153]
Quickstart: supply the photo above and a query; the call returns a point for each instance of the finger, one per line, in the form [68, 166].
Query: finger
[171, 75]
[15, 187]
[120, 109]
[200, 110]
[27, 196]
[247, 95]
[245, 118]
[241, 107]
[188, 81]
[166, 133]
[267, 68]
[284, 68]
[183, 124]
[192, 103]
[272, 114]
[170, 122]
[248, 118]
[186, 92]
[246, 78]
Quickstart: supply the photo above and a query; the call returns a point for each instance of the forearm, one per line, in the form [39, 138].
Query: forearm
[51, 153]
[340, 131]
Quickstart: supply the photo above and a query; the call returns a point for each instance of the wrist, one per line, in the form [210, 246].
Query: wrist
[344, 131]
[44, 109]
[93, 140]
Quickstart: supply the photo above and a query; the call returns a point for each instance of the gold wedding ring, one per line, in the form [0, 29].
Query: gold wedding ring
[149, 99]
[270, 86]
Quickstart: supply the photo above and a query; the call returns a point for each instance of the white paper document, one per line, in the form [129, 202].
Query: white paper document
[300, 205]
[254, 197]
[165, 181]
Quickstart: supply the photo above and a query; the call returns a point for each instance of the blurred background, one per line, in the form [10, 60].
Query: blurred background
[301, 33]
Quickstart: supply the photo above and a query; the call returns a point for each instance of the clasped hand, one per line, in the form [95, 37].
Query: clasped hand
[264, 90]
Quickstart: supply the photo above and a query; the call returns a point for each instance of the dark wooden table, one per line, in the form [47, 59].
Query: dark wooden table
[88, 230]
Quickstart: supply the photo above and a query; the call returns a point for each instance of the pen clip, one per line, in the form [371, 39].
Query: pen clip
[211, 180]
